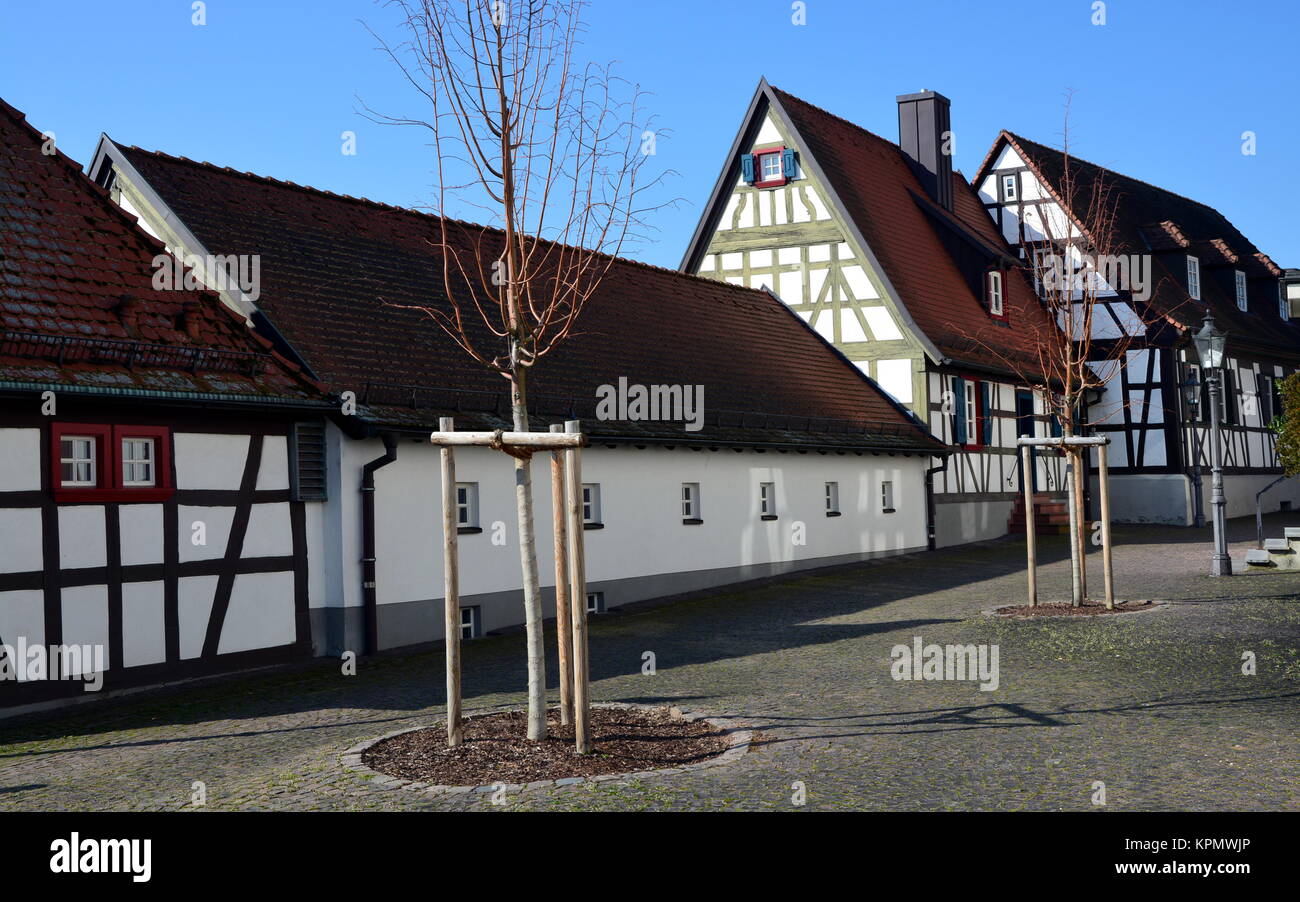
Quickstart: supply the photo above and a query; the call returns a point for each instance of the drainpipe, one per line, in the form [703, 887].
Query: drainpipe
[930, 512]
[369, 601]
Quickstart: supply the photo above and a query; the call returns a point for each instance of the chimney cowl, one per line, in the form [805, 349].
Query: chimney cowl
[925, 136]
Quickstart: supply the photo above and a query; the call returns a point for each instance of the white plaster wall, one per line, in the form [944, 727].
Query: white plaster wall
[196, 594]
[142, 533]
[81, 536]
[643, 533]
[20, 549]
[20, 449]
[260, 614]
[85, 618]
[209, 461]
[143, 634]
[22, 614]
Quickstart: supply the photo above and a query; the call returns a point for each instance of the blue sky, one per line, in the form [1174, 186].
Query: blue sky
[1163, 91]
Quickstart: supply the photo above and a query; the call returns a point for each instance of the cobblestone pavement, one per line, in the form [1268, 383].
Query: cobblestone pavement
[1153, 705]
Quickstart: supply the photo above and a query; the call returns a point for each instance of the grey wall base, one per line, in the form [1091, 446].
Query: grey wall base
[418, 622]
[961, 522]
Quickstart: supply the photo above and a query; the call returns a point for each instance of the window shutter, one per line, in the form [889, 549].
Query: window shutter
[307, 462]
[987, 420]
[787, 163]
[747, 168]
[959, 388]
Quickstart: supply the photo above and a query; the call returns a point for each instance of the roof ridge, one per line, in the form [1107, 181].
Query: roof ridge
[1131, 178]
[838, 118]
[411, 211]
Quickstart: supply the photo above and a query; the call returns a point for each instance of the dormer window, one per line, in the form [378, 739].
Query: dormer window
[768, 168]
[1241, 289]
[1010, 187]
[1194, 278]
[1283, 306]
[993, 293]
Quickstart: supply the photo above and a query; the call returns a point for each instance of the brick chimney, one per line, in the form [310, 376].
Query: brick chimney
[924, 133]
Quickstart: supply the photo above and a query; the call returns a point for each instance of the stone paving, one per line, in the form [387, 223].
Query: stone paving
[1153, 705]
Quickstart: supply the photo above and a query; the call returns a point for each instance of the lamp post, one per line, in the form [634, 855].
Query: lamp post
[1210, 342]
[1192, 394]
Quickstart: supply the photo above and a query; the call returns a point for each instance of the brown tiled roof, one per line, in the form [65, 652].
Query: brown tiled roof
[333, 267]
[1149, 218]
[881, 194]
[77, 302]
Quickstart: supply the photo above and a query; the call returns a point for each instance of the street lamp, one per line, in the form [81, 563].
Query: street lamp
[1209, 348]
[1192, 395]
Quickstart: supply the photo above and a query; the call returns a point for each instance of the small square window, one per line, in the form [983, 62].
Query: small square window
[691, 502]
[595, 602]
[138, 459]
[832, 499]
[886, 497]
[1194, 277]
[1010, 187]
[767, 500]
[769, 167]
[995, 293]
[466, 506]
[591, 504]
[78, 461]
[1241, 289]
[470, 624]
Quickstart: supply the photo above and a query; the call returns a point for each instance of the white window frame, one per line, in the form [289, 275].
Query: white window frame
[470, 619]
[591, 504]
[763, 175]
[691, 501]
[467, 510]
[995, 292]
[149, 464]
[832, 498]
[92, 459]
[595, 602]
[1193, 277]
[887, 496]
[1239, 281]
[972, 412]
[1009, 186]
[767, 499]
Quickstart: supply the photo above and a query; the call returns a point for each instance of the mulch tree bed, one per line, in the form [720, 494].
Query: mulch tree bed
[495, 750]
[1065, 609]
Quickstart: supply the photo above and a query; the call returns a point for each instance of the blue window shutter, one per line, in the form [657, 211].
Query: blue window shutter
[747, 167]
[988, 416]
[959, 388]
[787, 163]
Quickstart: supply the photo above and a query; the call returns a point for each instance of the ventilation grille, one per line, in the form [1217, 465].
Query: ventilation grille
[307, 459]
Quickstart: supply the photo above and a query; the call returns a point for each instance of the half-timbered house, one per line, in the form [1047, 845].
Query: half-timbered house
[1182, 258]
[885, 252]
[152, 526]
[790, 457]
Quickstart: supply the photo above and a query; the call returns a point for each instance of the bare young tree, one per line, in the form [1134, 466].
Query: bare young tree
[552, 151]
[1082, 343]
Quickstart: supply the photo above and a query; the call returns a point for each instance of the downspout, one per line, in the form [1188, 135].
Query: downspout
[930, 509]
[369, 600]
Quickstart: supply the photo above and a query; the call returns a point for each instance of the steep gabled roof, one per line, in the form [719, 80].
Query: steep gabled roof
[333, 267]
[78, 308]
[878, 193]
[1152, 219]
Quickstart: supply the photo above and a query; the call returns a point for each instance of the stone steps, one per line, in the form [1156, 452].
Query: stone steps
[1277, 554]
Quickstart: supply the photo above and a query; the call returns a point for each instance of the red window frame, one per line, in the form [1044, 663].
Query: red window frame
[758, 168]
[108, 463]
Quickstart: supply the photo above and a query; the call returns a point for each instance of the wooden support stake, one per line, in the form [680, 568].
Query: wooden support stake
[578, 593]
[1103, 473]
[1031, 549]
[451, 587]
[563, 619]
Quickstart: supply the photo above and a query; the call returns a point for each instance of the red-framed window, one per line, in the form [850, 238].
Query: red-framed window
[768, 167]
[109, 462]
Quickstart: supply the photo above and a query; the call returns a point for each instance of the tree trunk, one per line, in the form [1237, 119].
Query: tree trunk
[528, 561]
[1081, 537]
